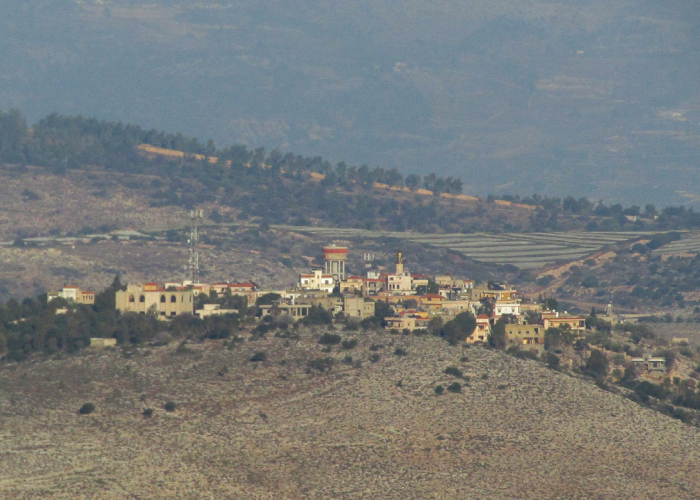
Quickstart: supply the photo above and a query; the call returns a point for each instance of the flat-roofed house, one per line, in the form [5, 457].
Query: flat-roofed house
[525, 334]
[153, 298]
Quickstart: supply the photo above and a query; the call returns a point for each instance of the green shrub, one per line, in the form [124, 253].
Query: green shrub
[321, 364]
[376, 347]
[348, 360]
[87, 409]
[455, 387]
[170, 406]
[148, 413]
[349, 344]
[259, 356]
[439, 390]
[454, 371]
[552, 360]
[374, 358]
[330, 339]
[400, 352]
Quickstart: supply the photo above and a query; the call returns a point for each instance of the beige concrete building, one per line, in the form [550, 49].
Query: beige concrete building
[151, 298]
[525, 334]
[293, 310]
[358, 307]
[482, 331]
[555, 319]
[97, 342]
[213, 310]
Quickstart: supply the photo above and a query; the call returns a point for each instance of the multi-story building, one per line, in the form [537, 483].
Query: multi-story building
[358, 307]
[151, 298]
[482, 331]
[351, 284]
[318, 280]
[502, 307]
[525, 334]
[556, 320]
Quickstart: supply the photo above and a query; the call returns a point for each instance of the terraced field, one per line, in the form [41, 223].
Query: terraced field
[689, 245]
[527, 251]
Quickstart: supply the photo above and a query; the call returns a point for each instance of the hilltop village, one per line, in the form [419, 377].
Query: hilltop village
[400, 302]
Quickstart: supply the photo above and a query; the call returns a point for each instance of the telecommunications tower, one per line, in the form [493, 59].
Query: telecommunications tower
[195, 215]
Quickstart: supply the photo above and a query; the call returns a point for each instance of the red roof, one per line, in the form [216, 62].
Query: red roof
[335, 250]
[482, 316]
[433, 296]
[355, 277]
[88, 293]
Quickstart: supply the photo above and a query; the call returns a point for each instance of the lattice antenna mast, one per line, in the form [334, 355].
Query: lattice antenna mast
[195, 215]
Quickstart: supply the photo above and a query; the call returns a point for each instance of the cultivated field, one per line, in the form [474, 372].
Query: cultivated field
[282, 430]
[685, 246]
[526, 250]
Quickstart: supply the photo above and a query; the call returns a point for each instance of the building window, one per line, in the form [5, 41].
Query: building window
[142, 298]
[131, 298]
[173, 313]
[173, 298]
[162, 299]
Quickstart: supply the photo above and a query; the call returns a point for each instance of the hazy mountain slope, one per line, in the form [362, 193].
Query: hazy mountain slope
[270, 430]
[586, 98]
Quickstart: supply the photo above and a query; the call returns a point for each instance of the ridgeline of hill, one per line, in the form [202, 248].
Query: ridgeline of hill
[289, 189]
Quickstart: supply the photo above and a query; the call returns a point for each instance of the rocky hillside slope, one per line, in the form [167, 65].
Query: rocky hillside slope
[288, 428]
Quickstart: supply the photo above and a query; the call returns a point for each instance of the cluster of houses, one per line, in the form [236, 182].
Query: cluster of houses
[415, 299]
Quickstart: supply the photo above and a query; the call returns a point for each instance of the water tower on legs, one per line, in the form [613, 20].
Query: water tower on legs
[334, 258]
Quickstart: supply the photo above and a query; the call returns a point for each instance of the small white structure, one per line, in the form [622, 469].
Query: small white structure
[213, 310]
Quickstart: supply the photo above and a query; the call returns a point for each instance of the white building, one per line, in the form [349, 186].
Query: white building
[317, 281]
[506, 307]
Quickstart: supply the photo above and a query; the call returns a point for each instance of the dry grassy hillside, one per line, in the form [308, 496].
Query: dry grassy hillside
[35, 203]
[279, 429]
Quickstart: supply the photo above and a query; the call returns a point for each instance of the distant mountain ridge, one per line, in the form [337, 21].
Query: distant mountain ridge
[586, 98]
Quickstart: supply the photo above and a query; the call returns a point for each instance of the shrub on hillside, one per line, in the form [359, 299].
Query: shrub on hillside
[321, 364]
[259, 356]
[349, 344]
[87, 409]
[455, 387]
[330, 339]
[170, 406]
